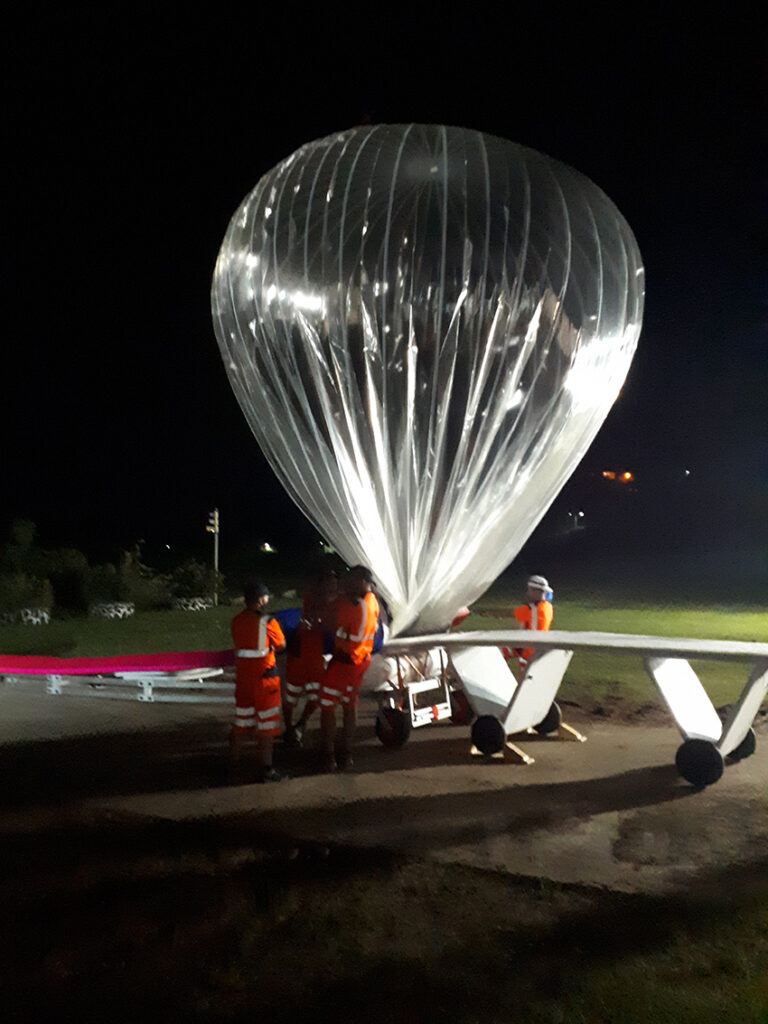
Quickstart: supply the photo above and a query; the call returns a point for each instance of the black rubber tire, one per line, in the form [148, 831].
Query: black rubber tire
[461, 712]
[746, 748]
[488, 735]
[699, 762]
[393, 726]
[551, 721]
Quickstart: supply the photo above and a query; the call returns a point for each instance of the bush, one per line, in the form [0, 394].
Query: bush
[70, 578]
[20, 554]
[105, 584]
[18, 590]
[141, 584]
[194, 579]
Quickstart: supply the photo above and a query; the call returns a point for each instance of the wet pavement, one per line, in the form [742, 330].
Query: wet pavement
[611, 812]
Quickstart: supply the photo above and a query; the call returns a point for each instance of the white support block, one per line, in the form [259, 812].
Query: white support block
[742, 715]
[685, 697]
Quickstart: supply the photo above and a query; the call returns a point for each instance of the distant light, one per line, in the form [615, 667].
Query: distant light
[687, 472]
[267, 548]
[609, 474]
[581, 513]
[168, 547]
[626, 477]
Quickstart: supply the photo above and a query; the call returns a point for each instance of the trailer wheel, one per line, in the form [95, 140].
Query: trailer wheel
[551, 721]
[393, 726]
[461, 712]
[699, 762]
[488, 735]
[746, 748]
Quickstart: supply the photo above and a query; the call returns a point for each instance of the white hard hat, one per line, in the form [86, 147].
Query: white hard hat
[538, 583]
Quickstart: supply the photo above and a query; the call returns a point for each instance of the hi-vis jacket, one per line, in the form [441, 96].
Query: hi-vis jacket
[355, 628]
[533, 616]
[255, 638]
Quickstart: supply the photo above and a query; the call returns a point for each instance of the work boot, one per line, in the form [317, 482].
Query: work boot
[345, 761]
[329, 763]
[270, 774]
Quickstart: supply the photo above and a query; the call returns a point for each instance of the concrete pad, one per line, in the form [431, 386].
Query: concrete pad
[611, 812]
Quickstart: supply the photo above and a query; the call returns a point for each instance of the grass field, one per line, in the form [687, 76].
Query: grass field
[592, 679]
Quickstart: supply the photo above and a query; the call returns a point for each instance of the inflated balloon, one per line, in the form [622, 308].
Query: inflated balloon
[425, 328]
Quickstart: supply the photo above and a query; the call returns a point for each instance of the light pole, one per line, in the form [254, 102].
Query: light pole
[213, 527]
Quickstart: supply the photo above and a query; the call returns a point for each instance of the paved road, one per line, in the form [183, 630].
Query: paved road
[610, 812]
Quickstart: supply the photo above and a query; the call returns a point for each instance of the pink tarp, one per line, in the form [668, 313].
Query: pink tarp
[176, 661]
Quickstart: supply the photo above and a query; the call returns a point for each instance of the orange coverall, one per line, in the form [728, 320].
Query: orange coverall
[305, 669]
[257, 684]
[355, 631]
[525, 614]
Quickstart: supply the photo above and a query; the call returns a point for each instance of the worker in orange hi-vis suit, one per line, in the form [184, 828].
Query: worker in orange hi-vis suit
[305, 660]
[257, 639]
[357, 615]
[536, 613]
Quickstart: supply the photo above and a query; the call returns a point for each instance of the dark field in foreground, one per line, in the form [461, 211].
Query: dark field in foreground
[195, 922]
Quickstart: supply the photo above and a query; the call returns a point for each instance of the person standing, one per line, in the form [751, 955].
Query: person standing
[257, 639]
[536, 613]
[305, 661]
[357, 616]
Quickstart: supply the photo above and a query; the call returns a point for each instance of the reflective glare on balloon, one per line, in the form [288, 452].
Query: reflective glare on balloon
[425, 327]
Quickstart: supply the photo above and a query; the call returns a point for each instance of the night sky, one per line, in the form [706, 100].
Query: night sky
[133, 139]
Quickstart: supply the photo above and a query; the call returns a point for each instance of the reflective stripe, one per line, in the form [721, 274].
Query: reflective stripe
[263, 644]
[270, 713]
[359, 637]
[245, 712]
[266, 726]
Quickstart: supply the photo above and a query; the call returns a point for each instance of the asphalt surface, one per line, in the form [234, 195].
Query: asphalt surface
[611, 812]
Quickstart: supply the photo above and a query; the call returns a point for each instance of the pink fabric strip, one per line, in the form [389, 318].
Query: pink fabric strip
[176, 661]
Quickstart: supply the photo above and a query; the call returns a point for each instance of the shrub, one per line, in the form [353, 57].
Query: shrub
[194, 579]
[105, 584]
[70, 578]
[18, 590]
[141, 584]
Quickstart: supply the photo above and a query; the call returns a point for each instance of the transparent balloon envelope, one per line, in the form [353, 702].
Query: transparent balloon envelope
[425, 327]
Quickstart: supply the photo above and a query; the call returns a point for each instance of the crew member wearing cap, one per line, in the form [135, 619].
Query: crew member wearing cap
[357, 615]
[257, 639]
[536, 613]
